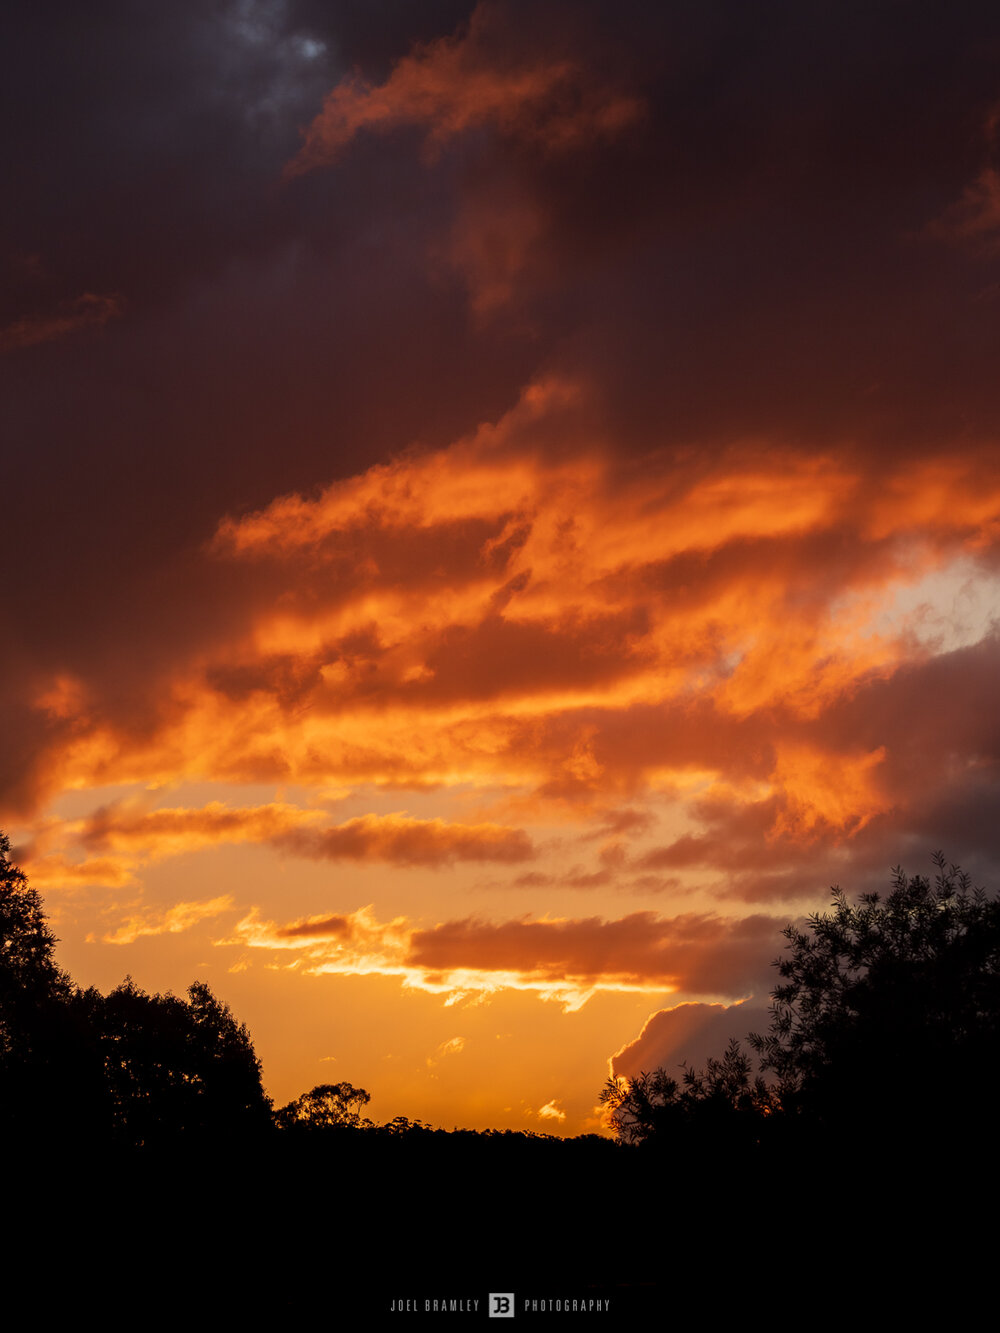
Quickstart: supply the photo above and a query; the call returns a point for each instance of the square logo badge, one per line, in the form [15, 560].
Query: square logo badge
[501, 1305]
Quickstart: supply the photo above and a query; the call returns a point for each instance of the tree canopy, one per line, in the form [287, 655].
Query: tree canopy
[887, 1014]
[725, 1103]
[890, 1007]
[327, 1106]
[123, 1068]
[173, 1068]
[37, 1037]
[28, 973]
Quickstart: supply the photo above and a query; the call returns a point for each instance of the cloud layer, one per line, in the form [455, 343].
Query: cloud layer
[470, 456]
[568, 960]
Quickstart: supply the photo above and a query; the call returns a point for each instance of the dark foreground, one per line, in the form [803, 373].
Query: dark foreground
[349, 1226]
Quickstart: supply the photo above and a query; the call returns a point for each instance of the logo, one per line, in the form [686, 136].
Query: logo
[502, 1305]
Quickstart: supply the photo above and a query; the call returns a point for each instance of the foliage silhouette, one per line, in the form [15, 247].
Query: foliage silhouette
[174, 1068]
[889, 1010]
[725, 1103]
[887, 1015]
[401, 1124]
[40, 1050]
[127, 1068]
[327, 1106]
[28, 974]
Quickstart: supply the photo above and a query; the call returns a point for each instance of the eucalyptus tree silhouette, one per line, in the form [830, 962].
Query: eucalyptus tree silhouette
[327, 1106]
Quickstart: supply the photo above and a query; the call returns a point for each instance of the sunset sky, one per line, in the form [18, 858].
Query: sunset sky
[502, 512]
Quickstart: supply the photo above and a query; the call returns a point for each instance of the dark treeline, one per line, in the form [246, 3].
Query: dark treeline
[865, 1115]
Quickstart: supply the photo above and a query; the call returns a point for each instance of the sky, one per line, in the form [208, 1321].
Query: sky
[502, 512]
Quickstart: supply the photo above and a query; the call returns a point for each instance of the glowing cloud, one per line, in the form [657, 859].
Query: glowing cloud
[171, 921]
[512, 610]
[565, 960]
[138, 835]
[481, 77]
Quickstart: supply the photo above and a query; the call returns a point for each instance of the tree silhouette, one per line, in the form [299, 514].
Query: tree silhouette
[889, 1010]
[326, 1106]
[38, 1041]
[174, 1068]
[126, 1068]
[226, 1064]
[887, 1016]
[725, 1103]
[28, 974]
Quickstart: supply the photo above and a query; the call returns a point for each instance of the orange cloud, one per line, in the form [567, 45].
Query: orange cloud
[180, 917]
[403, 841]
[527, 608]
[354, 943]
[153, 834]
[565, 960]
[839, 792]
[58, 871]
[141, 835]
[453, 1046]
[484, 76]
[696, 953]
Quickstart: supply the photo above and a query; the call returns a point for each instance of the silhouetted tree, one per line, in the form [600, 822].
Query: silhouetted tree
[401, 1124]
[227, 1064]
[28, 974]
[40, 1055]
[724, 1102]
[887, 1017]
[324, 1107]
[175, 1068]
[128, 1067]
[888, 1011]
